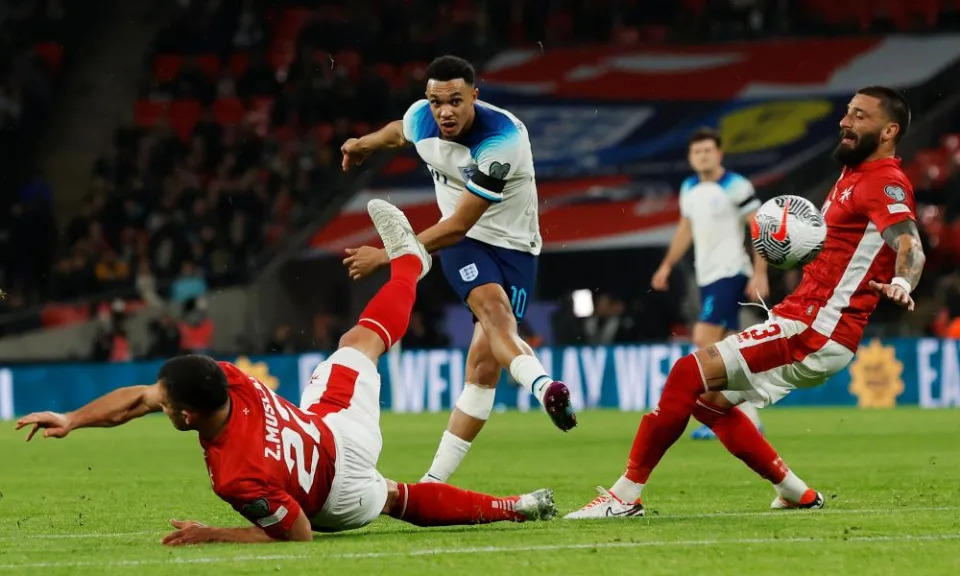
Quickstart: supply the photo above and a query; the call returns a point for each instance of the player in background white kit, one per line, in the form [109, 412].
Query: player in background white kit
[488, 236]
[715, 207]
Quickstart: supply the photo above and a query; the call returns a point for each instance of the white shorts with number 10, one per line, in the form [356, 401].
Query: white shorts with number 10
[766, 361]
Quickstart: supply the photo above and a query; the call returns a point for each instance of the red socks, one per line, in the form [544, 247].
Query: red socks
[742, 439]
[661, 428]
[388, 312]
[431, 504]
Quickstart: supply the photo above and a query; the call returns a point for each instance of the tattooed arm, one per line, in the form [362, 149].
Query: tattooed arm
[905, 239]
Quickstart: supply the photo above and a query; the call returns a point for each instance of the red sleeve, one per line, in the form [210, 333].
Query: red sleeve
[887, 199]
[266, 506]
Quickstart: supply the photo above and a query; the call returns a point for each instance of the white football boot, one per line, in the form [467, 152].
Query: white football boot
[607, 505]
[812, 500]
[536, 505]
[397, 234]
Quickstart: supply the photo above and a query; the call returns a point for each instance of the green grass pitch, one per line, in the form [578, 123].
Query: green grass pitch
[98, 502]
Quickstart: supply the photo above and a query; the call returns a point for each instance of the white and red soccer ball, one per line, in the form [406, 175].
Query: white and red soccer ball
[788, 232]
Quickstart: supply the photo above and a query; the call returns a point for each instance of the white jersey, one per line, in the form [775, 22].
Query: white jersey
[716, 211]
[494, 161]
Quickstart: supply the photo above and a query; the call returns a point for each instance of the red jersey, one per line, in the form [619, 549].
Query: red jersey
[272, 460]
[834, 297]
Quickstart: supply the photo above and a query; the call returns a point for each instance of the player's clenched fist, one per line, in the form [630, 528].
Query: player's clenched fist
[353, 154]
[55, 425]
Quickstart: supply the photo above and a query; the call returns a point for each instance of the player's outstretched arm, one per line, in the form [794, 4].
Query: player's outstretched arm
[905, 239]
[356, 150]
[682, 239]
[189, 532]
[113, 409]
[759, 285]
[452, 230]
[363, 261]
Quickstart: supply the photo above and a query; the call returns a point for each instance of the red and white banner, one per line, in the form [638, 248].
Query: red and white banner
[765, 69]
[595, 213]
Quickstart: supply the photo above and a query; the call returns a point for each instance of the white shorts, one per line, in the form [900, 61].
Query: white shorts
[345, 392]
[766, 361]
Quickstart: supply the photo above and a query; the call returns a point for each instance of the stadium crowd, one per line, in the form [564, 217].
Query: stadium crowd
[243, 107]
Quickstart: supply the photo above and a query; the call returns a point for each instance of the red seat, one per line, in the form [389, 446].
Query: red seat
[51, 53]
[388, 73]
[324, 132]
[360, 128]
[146, 113]
[184, 115]
[209, 64]
[167, 66]
[348, 59]
[238, 63]
[228, 111]
[935, 163]
[950, 142]
[63, 314]
[262, 104]
[414, 71]
[281, 54]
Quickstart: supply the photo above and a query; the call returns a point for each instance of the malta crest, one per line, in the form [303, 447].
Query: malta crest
[260, 371]
[875, 376]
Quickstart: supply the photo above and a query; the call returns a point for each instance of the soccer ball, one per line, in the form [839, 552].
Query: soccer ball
[788, 232]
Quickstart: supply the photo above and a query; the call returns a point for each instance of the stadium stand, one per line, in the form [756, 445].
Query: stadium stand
[234, 140]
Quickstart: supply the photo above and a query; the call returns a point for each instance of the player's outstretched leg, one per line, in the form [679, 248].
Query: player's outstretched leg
[471, 411]
[435, 504]
[749, 410]
[743, 439]
[492, 308]
[387, 315]
[658, 431]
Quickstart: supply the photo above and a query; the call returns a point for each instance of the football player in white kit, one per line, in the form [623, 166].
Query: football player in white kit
[715, 207]
[488, 236]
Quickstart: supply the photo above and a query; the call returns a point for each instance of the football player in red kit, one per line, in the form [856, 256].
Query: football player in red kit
[872, 251]
[293, 470]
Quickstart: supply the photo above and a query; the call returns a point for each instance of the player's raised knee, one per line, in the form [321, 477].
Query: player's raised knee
[364, 339]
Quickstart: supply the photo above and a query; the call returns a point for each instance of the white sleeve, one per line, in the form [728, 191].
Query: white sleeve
[413, 121]
[744, 196]
[498, 158]
[684, 198]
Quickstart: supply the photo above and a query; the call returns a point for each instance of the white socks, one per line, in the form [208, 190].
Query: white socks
[449, 455]
[626, 490]
[792, 488]
[530, 374]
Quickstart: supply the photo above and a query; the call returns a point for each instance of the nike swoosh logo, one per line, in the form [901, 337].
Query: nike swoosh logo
[781, 234]
[628, 512]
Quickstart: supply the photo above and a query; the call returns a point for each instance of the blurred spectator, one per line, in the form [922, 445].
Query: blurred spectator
[529, 335]
[146, 284]
[946, 324]
[164, 337]
[189, 285]
[111, 271]
[283, 341]
[609, 323]
[566, 326]
[326, 332]
[196, 328]
[111, 343]
[423, 334]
